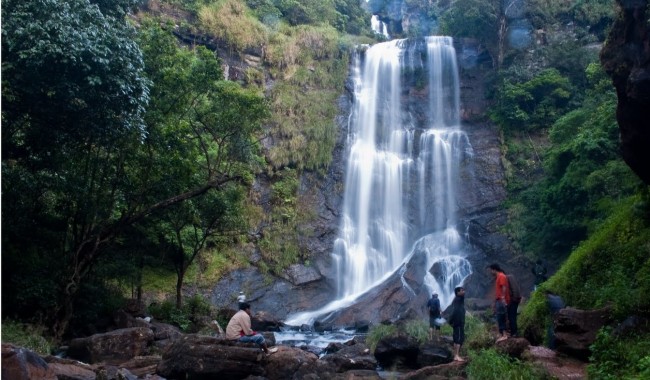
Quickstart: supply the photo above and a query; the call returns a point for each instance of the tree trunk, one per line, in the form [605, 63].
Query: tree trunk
[179, 288]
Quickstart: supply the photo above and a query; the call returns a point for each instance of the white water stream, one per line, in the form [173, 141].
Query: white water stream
[402, 174]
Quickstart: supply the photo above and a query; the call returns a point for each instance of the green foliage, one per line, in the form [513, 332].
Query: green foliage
[26, 335]
[490, 365]
[583, 175]
[183, 317]
[74, 93]
[167, 312]
[472, 19]
[86, 190]
[620, 357]
[533, 104]
[379, 332]
[70, 74]
[281, 245]
[611, 268]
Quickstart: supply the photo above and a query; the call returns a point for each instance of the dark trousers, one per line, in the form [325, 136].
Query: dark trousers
[501, 314]
[512, 317]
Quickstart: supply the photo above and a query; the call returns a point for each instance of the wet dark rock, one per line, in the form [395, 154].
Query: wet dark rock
[632, 325]
[399, 351]
[626, 58]
[432, 354]
[576, 330]
[352, 357]
[263, 321]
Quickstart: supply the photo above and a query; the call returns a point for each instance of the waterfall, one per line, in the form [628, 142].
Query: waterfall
[379, 26]
[402, 174]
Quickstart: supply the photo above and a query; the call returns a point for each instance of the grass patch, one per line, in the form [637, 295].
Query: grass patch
[232, 21]
[418, 329]
[379, 332]
[490, 365]
[26, 335]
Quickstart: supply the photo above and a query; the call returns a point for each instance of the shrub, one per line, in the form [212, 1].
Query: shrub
[194, 307]
[614, 357]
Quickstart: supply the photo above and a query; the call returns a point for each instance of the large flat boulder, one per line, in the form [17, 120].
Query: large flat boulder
[112, 347]
[203, 356]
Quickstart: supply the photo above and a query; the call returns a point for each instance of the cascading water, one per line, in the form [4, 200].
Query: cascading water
[402, 174]
[379, 26]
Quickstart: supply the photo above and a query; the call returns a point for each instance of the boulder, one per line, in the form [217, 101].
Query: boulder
[453, 370]
[22, 364]
[513, 347]
[286, 362]
[112, 347]
[399, 351]
[432, 354]
[264, 321]
[204, 356]
[576, 330]
[351, 357]
[299, 274]
[165, 331]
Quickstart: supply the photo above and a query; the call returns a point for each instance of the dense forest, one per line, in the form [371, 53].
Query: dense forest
[130, 156]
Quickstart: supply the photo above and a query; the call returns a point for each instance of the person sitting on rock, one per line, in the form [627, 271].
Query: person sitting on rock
[239, 329]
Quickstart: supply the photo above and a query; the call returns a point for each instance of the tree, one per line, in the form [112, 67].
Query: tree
[82, 162]
[198, 225]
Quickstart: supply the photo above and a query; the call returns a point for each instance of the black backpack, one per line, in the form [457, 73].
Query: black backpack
[513, 285]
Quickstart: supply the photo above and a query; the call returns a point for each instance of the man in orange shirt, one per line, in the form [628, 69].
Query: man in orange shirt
[502, 299]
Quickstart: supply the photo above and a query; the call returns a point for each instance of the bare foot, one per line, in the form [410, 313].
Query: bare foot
[458, 359]
[501, 339]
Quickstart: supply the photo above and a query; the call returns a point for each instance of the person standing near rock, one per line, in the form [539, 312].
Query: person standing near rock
[457, 321]
[539, 270]
[502, 299]
[241, 298]
[513, 305]
[434, 314]
[555, 304]
[239, 329]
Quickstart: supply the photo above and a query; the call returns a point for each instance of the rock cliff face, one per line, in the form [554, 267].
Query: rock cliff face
[480, 216]
[626, 58]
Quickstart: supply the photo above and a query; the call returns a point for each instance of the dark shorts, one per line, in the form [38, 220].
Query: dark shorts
[459, 334]
[432, 323]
